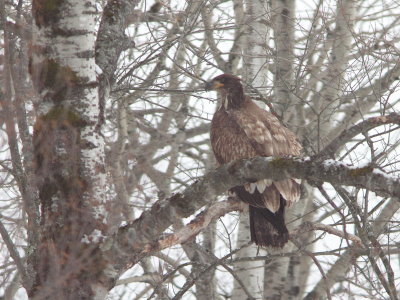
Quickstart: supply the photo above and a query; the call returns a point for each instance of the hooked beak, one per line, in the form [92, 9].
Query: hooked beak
[213, 85]
[208, 86]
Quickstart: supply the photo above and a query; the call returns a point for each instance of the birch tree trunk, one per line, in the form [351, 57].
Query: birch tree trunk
[327, 103]
[251, 273]
[277, 272]
[299, 266]
[281, 275]
[283, 27]
[327, 68]
[69, 152]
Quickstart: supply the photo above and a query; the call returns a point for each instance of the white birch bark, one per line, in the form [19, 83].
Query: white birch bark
[283, 26]
[328, 100]
[69, 149]
[297, 280]
[299, 266]
[281, 270]
[251, 273]
[75, 53]
[255, 42]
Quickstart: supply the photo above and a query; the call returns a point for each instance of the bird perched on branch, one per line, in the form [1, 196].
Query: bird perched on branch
[241, 129]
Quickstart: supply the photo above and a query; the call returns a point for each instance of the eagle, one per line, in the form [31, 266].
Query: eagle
[240, 129]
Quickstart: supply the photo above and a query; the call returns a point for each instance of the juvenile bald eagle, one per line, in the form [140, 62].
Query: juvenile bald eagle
[241, 129]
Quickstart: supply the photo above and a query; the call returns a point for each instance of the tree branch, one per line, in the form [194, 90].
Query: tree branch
[350, 133]
[111, 34]
[309, 226]
[196, 226]
[135, 236]
[13, 252]
[361, 102]
[338, 270]
[208, 31]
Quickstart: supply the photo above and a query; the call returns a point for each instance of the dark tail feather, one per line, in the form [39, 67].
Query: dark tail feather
[267, 228]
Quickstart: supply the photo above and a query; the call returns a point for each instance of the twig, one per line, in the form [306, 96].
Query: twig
[350, 133]
[321, 270]
[308, 226]
[355, 210]
[13, 251]
[189, 283]
[161, 90]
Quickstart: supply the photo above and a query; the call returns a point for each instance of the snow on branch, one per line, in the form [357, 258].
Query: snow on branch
[142, 235]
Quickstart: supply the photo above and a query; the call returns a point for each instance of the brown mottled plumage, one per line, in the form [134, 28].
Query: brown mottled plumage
[241, 129]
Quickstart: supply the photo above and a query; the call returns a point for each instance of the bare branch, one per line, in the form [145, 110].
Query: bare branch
[350, 133]
[364, 100]
[13, 252]
[345, 261]
[206, 16]
[197, 225]
[309, 226]
[321, 270]
[161, 215]
[217, 261]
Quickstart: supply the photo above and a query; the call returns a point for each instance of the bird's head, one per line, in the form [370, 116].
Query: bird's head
[230, 89]
[224, 82]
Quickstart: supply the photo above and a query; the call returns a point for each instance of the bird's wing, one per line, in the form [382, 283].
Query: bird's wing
[228, 140]
[266, 132]
[269, 138]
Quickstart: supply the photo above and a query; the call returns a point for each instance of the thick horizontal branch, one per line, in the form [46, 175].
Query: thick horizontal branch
[135, 238]
[218, 210]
